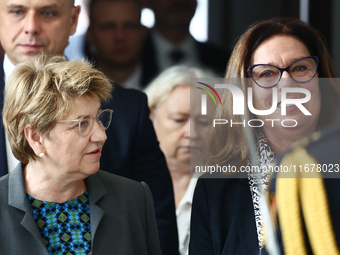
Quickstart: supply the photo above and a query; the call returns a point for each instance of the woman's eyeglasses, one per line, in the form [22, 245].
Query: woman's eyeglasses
[85, 123]
[268, 76]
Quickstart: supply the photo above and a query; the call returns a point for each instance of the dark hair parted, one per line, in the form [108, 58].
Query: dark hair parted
[233, 147]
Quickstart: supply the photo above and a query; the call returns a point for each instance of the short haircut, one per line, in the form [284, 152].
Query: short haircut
[41, 92]
[162, 86]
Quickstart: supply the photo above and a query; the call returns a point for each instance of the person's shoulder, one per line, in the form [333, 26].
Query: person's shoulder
[113, 178]
[119, 90]
[110, 181]
[16, 173]
[218, 177]
[4, 190]
[215, 182]
[126, 98]
[121, 189]
[4, 178]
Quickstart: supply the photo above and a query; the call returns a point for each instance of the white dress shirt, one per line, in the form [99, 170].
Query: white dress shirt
[134, 81]
[11, 160]
[183, 213]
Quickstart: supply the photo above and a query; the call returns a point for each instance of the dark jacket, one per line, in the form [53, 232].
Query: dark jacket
[121, 215]
[222, 218]
[132, 150]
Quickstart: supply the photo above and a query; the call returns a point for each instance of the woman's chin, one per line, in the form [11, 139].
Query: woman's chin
[92, 169]
[197, 159]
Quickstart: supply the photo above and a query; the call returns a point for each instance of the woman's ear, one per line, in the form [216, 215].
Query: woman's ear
[34, 139]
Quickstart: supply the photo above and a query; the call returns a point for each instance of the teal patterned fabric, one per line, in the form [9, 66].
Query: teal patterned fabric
[65, 228]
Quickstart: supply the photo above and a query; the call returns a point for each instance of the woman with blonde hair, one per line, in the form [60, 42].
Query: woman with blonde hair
[57, 201]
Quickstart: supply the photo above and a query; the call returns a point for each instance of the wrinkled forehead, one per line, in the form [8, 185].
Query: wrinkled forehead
[279, 50]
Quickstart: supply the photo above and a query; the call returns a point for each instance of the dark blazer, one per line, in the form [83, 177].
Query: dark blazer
[3, 156]
[132, 151]
[209, 56]
[121, 214]
[222, 218]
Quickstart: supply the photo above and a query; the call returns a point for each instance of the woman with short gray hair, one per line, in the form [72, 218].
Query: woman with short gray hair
[181, 131]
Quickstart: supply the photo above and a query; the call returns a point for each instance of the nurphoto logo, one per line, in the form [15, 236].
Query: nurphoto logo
[239, 104]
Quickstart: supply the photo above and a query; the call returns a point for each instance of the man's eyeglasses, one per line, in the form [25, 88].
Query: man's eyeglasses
[85, 123]
[268, 76]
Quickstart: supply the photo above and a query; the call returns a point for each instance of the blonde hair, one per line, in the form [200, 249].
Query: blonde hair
[229, 144]
[162, 86]
[40, 92]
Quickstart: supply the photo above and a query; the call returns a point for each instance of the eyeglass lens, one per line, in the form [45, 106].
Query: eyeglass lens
[104, 118]
[301, 71]
[86, 124]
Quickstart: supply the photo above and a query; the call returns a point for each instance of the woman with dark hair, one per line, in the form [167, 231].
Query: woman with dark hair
[275, 55]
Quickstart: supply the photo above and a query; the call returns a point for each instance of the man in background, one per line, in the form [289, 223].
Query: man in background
[115, 38]
[170, 43]
[29, 27]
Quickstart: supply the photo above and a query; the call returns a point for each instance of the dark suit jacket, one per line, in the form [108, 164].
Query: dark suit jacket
[121, 214]
[209, 56]
[132, 151]
[3, 156]
[222, 218]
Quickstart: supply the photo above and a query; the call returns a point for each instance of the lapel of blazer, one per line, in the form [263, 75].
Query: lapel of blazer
[18, 199]
[96, 192]
[3, 156]
[246, 219]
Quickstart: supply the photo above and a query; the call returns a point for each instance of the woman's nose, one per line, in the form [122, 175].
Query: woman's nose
[285, 74]
[186, 129]
[286, 81]
[98, 133]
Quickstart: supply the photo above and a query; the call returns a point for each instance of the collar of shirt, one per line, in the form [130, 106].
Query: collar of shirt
[133, 82]
[187, 198]
[11, 160]
[183, 213]
[163, 47]
[8, 67]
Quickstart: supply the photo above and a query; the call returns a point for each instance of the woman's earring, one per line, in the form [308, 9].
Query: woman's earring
[41, 154]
